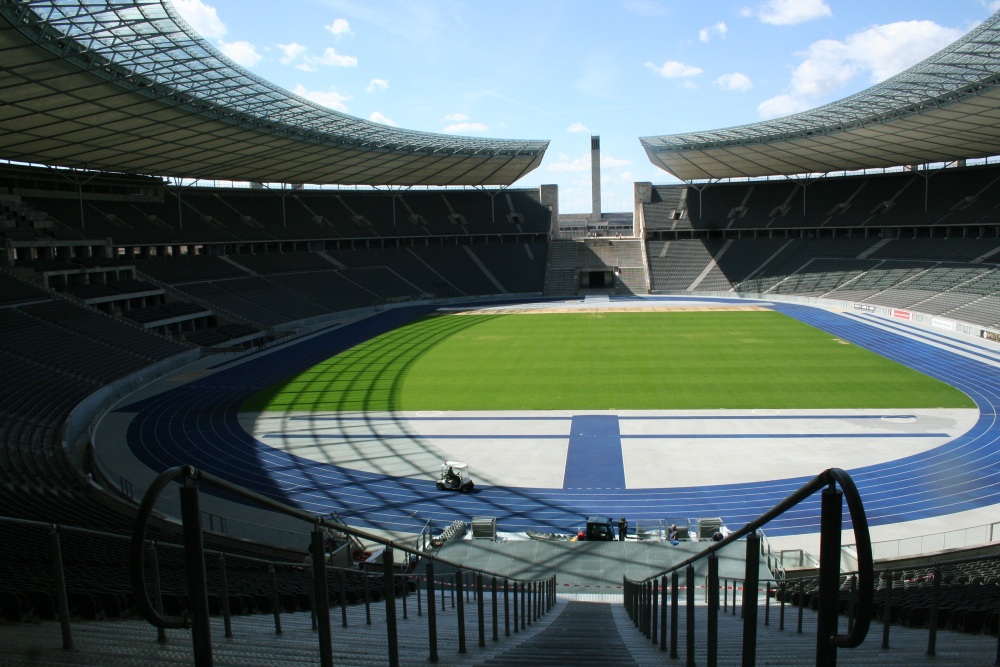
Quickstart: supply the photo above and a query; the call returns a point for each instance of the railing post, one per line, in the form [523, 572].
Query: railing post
[321, 598]
[480, 609]
[654, 621]
[663, 613]
[644, 609]
[802, 604]
[404, 589]
[194, 558]
[533, 617]
[530, 600]
[690, 584]
[506, 608]
[493, 603]
[783, 588]
[750, 585]
[725, 595]
[712, 622]
[431, 614]
[227, 617]
[524, 606]
[459, 576]
[767, 603]
[342, 581]
[514, 604]
[831, 524]
[368, 597]
[932, 621]
[632, 601]
[154, 573]
[674, 604]
[60, 580]
[887, 608]
[389, 595]
[275, 602]
[851, 599]
[420, 604]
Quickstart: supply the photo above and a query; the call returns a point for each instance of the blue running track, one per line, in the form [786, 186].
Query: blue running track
[197, 424]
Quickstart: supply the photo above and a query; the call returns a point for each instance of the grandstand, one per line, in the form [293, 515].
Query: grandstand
[123, 277]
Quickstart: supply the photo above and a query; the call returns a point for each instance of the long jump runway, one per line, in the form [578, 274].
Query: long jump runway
[547, 470]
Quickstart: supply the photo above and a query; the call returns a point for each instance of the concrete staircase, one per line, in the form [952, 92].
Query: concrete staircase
[582, 634]
[580, 630]
[568, 258]
[560, 272]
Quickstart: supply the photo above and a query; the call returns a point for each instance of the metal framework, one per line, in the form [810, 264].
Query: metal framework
[128, 86]
[942, 109]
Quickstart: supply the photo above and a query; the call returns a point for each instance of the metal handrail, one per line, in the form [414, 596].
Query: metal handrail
[542, 589]
[830, 535]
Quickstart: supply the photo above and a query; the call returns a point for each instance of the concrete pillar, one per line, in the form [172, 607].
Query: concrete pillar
[548, 195]
[595, 178]
[642, 194]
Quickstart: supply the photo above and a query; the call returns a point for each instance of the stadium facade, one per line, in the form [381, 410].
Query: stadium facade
[112, 277]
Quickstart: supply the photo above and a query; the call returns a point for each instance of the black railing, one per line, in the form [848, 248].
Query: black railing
[645, 606]
[535, 596]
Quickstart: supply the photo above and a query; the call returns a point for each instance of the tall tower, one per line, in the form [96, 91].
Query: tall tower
[595, 177]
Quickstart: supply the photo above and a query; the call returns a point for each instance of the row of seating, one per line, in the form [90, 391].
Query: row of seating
[953, 196]
[226, 215]
[968, 596]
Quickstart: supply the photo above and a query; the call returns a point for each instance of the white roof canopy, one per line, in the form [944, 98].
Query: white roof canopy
[127, 86]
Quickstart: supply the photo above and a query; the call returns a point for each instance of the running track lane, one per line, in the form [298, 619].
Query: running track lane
[198, 424]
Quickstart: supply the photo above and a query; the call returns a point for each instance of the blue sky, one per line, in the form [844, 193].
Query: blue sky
[563, 70]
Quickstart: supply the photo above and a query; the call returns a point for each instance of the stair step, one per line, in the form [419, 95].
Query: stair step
[582, 634]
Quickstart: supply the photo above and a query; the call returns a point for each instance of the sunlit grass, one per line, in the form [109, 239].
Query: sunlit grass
[594, 361]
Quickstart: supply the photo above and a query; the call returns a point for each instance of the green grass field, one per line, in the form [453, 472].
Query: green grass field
[594, 361]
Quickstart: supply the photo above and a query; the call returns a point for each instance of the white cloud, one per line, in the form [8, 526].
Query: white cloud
[874, 54]
[291, 52]
[992, 5]
[565, 163]
[611, 177]
[240, 52]
[735, 81]
[576, 128]
[201, 17]
[781, 105]
[673, 69]
[376, 84]
[459, 128]
[456, 116]
[611, 161]
[331, 58]
[379, 117]
[792, 12]
[339, 27]
[329, 98]
[887, 50]
[720, 29]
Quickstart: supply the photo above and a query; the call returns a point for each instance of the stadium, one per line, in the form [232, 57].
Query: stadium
[814, 306]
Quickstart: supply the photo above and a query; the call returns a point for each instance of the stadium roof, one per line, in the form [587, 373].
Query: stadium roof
[127, 86]
[942, 109]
